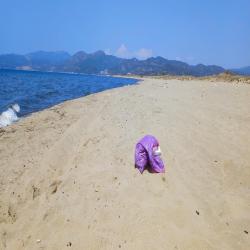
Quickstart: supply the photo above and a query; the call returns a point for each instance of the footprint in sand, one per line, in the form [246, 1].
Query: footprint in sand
[54, 186]
[35, 192]
[12, 213]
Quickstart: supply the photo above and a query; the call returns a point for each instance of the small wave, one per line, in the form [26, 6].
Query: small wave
[9, 116]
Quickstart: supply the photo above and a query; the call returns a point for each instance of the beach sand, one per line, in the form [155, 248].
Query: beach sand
[68, 179]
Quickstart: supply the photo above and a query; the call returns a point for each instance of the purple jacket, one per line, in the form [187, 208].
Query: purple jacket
[144, 155]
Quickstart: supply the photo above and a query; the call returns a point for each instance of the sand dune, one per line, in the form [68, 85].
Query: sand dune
[68, 179]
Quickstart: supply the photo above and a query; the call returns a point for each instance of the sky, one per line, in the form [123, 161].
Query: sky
[193, 31]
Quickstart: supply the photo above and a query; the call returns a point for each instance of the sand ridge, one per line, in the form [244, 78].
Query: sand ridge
[68, 179]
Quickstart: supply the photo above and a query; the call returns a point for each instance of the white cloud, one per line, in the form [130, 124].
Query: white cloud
[124, 52]
[108, 52]
[144, 53]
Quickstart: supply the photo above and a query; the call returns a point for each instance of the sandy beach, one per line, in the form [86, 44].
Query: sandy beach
[68, 179]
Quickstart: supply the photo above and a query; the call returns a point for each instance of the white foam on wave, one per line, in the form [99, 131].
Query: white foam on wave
[9, 116]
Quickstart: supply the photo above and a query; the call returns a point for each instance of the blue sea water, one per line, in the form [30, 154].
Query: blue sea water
[35, 91]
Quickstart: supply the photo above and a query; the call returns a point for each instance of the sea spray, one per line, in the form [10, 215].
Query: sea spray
[9, 116]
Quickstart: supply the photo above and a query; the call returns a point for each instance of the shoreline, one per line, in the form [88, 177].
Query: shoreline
[9, 116]
[226, 76]
[70, 170]
[223, 77]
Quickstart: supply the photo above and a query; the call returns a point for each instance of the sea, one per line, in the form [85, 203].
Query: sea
[26, 92]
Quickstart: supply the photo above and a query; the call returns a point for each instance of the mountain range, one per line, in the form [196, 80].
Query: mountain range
[242, 71]
[101, 63]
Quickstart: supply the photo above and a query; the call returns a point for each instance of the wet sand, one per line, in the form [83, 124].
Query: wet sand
[68, 179]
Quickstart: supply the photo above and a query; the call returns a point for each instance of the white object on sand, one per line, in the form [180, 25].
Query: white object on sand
[157, 151]
[9, 116]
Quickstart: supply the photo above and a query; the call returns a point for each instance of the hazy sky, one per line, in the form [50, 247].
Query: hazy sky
[194, 31]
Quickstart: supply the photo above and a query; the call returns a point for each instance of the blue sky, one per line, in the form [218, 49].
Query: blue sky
[194, 31]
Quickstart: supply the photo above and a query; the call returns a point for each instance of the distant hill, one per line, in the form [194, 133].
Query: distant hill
[100, 63]
[242, 71]
[94, 63]
[13, 61]
[43, 60]
[40, 60]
